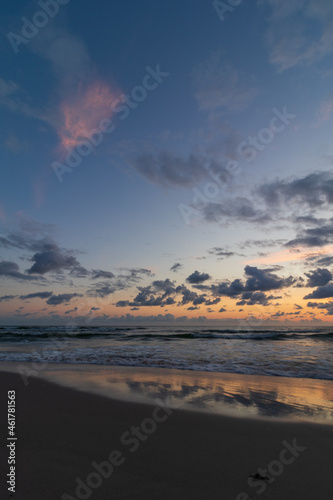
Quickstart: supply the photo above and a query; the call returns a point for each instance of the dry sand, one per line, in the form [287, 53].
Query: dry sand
[183, 455]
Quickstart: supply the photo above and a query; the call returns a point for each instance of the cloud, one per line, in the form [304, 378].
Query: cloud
[14, 98]
[102, 289]
[12, 143]
[187, 295]
[239, 208]
[326, 109]
[252, 298]
[11, 270]
[264, 243]
[40, 295]
[135, 274]
[5, 298]
[259, 280]
[213, 302]
[176, 267]
[221, 252]
[116, 283]
[83, 98]
[328, 306]
[318, 277]
[219, 86]
[169, 170]
[325, 261]
[51, 258]
[101, 274]
[197, 278]
[307, 241]
[291, 39]
[122, 303]
[71, 310]
[322, 292]
[278, 314]
[313, 191]
[167, 286]
[83, 113]
[63, 298]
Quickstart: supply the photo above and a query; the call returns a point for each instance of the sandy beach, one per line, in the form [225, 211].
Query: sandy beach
[76, 445]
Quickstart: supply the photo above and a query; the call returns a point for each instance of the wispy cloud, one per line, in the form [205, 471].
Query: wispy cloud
[219, 86]
[298, 42]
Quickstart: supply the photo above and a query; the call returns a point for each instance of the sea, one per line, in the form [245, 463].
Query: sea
[285, 352]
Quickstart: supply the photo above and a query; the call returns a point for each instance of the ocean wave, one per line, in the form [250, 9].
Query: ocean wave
[30, 334]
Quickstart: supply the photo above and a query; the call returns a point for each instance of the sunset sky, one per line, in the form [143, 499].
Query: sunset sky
[166, 162]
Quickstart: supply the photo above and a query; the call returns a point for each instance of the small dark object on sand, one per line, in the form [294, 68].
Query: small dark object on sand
[259, 476]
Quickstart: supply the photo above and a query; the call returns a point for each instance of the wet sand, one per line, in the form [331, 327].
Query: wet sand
[153, 452]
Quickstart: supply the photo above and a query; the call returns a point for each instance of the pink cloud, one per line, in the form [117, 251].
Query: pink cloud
[83, 114]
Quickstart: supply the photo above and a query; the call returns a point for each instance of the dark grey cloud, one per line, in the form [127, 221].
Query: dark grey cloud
[4, 298]
[213, 301]
[238, 208]
[321, 292]
[252, 298]
[264, 243]
[134, 275]
[228, 289]
[167, 286]
[11, 270]
[278, 314]
[63, 298]
[197, 278]
[318, 277]
[307, 241]
[176, 267]
[168, 170]
[201, 299]
[328, 306]
[221, 252]
[96, 274]
[187, 295]
[258, 280]
[79, 272]
[314, 190]
[51, 258]
[122, 303]
[148, 296]
[40, 295]
[222, 310]
[71, 310]
[103, 289]
[325, 261]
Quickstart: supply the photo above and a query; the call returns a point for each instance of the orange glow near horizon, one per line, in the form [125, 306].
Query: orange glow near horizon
[289, 255]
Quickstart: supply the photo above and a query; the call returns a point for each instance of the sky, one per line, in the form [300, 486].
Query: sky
[166, 162]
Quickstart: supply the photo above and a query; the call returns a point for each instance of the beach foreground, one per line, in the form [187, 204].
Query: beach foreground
[76, 445]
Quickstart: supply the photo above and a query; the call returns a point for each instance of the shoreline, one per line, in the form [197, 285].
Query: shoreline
[62, 432]
[229, 394]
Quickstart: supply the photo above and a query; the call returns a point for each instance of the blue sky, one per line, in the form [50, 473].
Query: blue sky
[202, 137]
